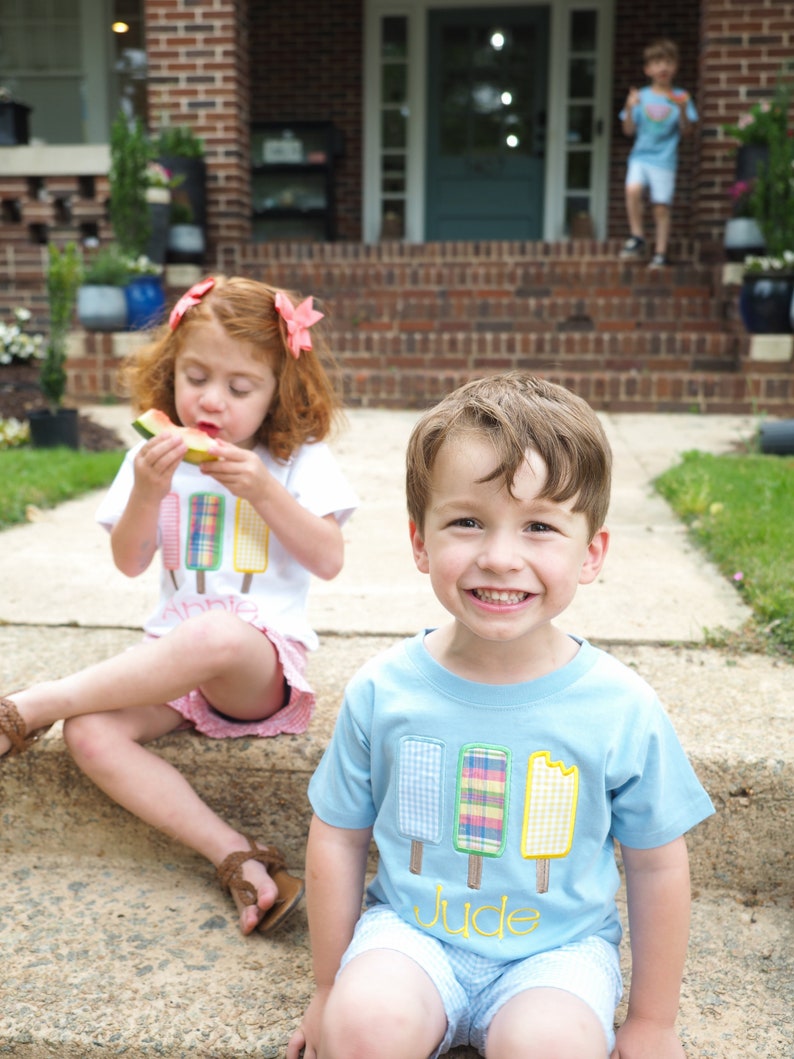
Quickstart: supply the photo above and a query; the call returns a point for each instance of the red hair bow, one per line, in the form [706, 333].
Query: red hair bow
[188, 300]
[298, 321]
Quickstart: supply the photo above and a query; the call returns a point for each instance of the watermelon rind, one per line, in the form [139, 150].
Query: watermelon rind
[155, 422]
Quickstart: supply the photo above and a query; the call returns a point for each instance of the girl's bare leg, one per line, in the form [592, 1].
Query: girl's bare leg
[114, 706]
[234, 664]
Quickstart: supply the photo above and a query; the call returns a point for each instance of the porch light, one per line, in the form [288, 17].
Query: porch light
[512, 140]
[120, 27]
[497, 40]
[507, 98]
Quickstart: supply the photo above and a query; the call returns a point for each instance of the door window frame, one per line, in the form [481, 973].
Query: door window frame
[415, 13]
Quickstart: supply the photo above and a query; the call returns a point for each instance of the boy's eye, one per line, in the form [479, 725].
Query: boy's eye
[540, 527]
[465, 523]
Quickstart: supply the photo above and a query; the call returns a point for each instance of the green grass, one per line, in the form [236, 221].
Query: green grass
[47, 477]
[740, 511]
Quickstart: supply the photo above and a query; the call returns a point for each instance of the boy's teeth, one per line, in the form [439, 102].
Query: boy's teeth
[490, 596]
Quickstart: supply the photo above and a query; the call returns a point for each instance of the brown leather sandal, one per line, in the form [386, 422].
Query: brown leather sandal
[13, 727]
[290, 888]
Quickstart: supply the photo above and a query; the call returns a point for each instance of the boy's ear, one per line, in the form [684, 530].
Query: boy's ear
[594, 559]
[418, 549]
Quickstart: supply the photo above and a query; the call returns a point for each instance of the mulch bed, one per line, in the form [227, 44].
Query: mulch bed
[20, 394]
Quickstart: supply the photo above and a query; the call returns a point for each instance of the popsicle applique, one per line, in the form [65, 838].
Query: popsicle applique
[169, 528]
[205, 535]
[481, 803]
[251, 537]
[549, 813]
[420, 773]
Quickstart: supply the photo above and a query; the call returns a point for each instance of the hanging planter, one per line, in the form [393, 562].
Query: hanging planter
[742, 237]
[158, 200]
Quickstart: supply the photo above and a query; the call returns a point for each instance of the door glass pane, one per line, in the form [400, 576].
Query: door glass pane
[578, 175]
[581, 78]
[580, 123]
[394, 38]
[583, 30]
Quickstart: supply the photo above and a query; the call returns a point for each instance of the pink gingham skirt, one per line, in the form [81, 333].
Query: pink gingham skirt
[293, 718]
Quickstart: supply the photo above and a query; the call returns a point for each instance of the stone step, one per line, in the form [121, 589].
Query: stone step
[536, 310]
[742, 750]
[114, 940]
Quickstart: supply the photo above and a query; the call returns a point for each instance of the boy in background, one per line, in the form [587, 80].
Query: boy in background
[656, 116]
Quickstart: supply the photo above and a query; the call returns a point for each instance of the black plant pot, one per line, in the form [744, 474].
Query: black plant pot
[777, 437]
[49, 430]
[765, 303]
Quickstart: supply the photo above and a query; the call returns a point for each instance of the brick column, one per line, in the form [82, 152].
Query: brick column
[743, 46]
[198, 76]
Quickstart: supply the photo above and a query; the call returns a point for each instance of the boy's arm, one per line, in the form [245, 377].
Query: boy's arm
[632, 99]
[657, 887]
[336, 863]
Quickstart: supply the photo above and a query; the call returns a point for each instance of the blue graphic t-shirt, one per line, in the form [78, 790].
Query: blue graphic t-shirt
[658, 123]
[495, 807]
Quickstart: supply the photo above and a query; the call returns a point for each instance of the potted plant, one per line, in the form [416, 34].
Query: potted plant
[130, 154]
[768, 281]
[101, 301]
[56, 425]
[753, 130]
[181, 151]
[144, 293]
[185, 238]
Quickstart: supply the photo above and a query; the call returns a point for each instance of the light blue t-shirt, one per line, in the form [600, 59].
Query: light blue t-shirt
[658, 124]
[481, 796]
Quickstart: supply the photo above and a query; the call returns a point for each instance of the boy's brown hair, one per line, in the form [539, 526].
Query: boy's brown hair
[518, 413]
[661, 49]
[305, 403]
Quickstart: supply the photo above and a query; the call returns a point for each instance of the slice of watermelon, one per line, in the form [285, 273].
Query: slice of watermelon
[155, 422]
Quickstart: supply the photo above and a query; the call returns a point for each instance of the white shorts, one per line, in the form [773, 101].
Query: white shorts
[473, 988]
[660, 182]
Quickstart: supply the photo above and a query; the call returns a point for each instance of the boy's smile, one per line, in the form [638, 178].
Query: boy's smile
[503, 566]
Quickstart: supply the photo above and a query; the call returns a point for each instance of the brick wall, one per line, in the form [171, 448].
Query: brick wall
[199, 76]
[744, 44]
[310, 68]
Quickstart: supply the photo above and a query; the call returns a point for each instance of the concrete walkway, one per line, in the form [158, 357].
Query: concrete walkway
[115, 941]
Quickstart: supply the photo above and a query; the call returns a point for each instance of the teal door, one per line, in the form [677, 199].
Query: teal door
[486, 123]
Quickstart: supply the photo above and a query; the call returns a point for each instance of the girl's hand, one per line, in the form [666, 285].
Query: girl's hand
[155, 464]
[240, 470]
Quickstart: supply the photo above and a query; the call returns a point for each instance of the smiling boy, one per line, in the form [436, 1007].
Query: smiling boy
[496, 760]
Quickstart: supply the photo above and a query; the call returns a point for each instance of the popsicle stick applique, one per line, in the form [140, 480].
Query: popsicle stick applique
[251, 536]
[420, 776]
[205, 535]
[169, 531]
[549, 813]
[481, 804]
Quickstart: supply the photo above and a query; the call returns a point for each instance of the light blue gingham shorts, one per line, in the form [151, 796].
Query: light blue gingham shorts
[660, 182]
[473, 988]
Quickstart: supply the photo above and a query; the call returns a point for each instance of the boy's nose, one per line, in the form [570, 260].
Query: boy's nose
[500, 551]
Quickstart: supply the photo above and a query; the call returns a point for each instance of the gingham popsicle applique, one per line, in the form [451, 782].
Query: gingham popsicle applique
[420, 776]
